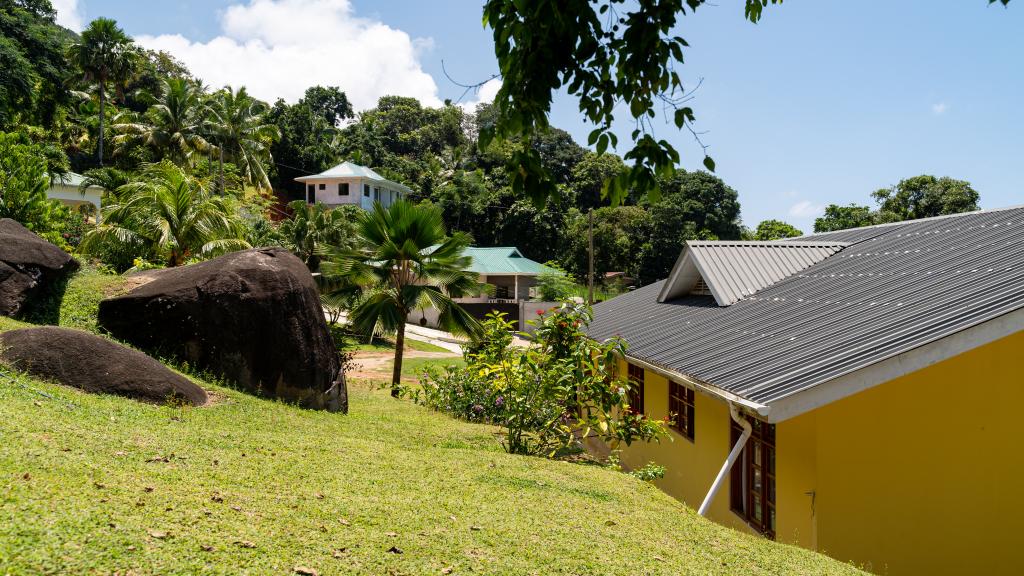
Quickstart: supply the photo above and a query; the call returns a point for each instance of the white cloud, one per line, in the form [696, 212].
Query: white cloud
[805, 209]
[939, 108]
[69, 14]
[278, 48]
[484, 95]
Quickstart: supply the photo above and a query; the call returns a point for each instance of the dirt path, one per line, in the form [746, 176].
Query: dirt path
[378, 365]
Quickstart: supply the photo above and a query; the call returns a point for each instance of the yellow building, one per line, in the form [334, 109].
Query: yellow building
[852, 391]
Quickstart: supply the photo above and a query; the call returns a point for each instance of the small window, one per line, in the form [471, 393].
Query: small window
[366, 190]
[376, 194]
[342, 188]
[680, 408]
[752, 480]
[323, 186]
[636, 388]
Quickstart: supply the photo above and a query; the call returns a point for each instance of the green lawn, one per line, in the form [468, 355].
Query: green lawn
[100, 485]
[378, 345]
[414, 367]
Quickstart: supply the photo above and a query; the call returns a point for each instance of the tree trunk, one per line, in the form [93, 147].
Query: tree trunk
[103, 101]
[396, 375]
[221, 163]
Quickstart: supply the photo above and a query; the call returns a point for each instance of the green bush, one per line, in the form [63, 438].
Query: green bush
[548, 397]
[23, 185]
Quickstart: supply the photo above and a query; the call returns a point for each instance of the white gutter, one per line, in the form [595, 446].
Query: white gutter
[733, 455]
[760, 409]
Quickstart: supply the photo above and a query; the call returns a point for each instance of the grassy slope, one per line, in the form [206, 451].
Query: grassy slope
[78, 493]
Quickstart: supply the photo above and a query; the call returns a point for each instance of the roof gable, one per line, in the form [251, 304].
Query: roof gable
[730, 271]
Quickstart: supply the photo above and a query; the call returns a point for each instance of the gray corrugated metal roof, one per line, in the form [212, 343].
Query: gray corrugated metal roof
[896, 287]
[734, 270]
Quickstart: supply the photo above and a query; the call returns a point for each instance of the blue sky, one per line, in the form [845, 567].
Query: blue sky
[822, 102]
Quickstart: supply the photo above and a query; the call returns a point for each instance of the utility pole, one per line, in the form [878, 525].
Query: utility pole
[590, 267]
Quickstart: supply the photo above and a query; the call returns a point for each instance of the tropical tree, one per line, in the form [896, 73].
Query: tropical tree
[239, 126]
[619, 235]
[167, 214]
[404, 260]
[926, 196]
[23, 184]
[33, 63]
[775, 230]
[173, 126]
[610, 56]
[104, 54]
[838, 217]
[309, 129]
[314, 227]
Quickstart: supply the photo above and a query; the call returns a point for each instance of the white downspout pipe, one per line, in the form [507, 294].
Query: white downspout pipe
[733, 455]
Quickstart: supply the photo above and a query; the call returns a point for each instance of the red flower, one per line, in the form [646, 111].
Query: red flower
[540, 312]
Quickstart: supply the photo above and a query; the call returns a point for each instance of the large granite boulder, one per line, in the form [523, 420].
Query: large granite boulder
[28, 266]
[253, 317]
[94, 364]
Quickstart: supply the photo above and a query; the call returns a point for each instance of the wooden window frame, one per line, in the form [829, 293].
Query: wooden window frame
[758, 456]
[681, 409]
[635, 396]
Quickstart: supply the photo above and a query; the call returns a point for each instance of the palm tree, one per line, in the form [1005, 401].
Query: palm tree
[238, 124]
[104, 54]
[172, 126]
[169, 214]
[404, 261]
[313, 228]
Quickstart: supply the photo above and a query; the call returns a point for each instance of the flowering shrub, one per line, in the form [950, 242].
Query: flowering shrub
[548, 397]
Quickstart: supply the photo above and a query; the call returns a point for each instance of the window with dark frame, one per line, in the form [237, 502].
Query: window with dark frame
[342, 188]
[323, 186]
[376, 194]
[680, 408]
[636, 388]
[366, 190]
[752, 479]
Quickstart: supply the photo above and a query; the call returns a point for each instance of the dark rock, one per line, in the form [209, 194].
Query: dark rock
[28, 265]
[253, 317]
[94, 364]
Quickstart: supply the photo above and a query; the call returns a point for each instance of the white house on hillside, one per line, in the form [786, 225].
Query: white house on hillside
[349, 183]
[68, 188]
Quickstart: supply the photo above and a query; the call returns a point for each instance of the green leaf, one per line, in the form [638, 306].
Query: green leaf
[709, 163]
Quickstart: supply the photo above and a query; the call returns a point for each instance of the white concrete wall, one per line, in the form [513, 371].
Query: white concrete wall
[75, 196]
[430, 314]
[329, 194]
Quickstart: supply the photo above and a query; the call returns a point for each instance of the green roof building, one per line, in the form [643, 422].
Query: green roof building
[505, 268]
